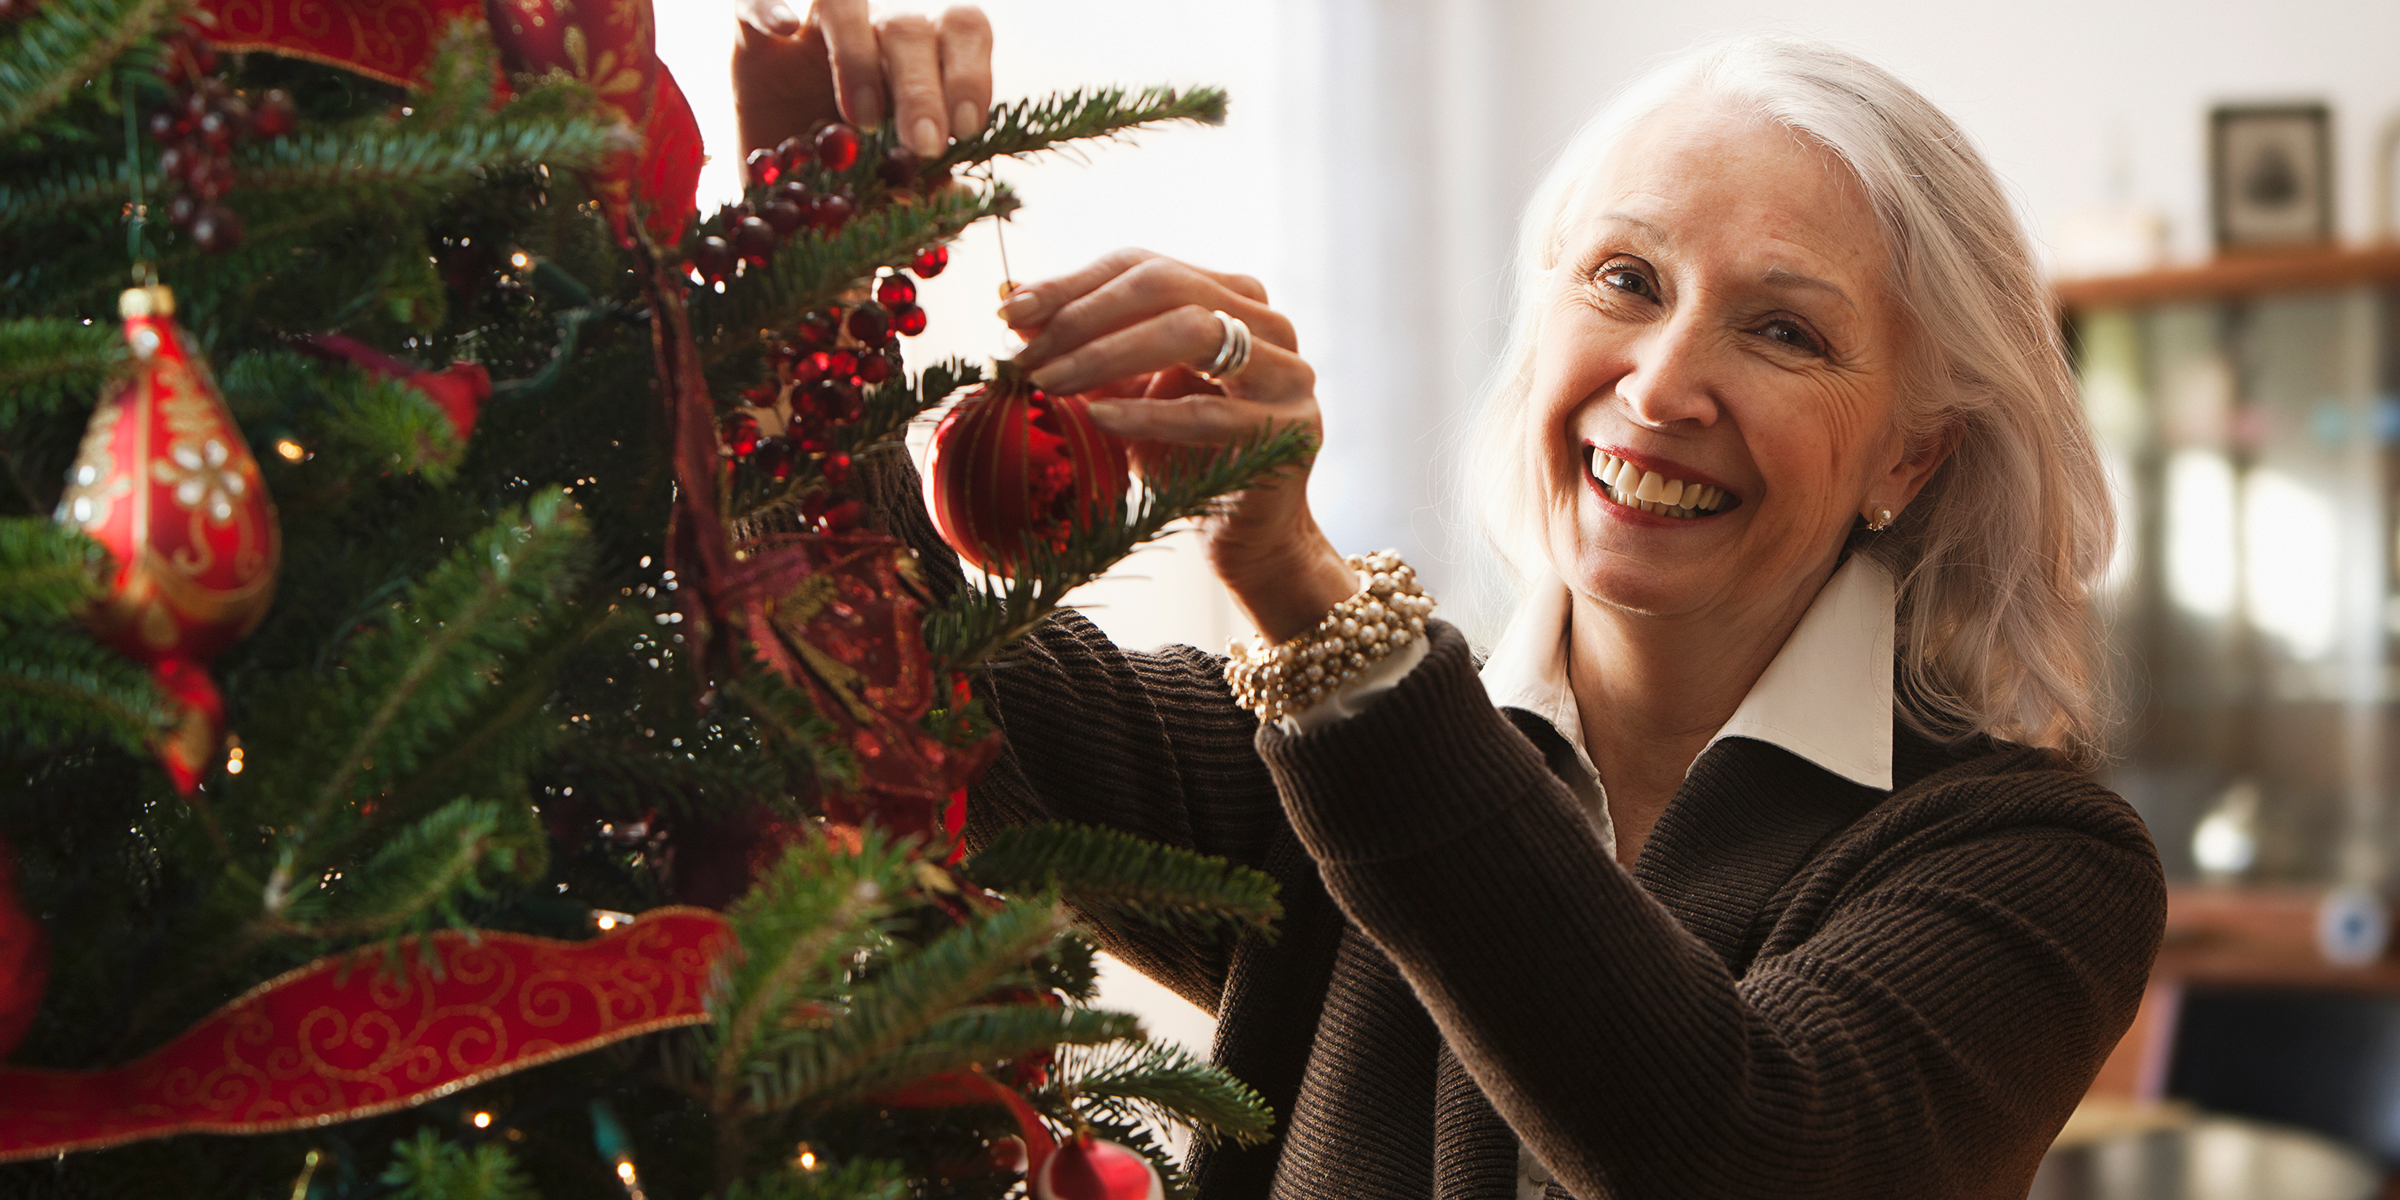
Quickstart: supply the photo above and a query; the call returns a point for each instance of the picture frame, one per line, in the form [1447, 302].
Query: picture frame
[2270, 172]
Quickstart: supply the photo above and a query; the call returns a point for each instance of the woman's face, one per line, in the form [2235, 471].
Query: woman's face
[1718, 318]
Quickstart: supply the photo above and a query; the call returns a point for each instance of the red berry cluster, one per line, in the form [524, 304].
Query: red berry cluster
[821, 367]
[197, 129]
[781, 204]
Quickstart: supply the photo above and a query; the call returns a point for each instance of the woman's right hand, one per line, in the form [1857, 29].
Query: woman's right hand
[1127, 332]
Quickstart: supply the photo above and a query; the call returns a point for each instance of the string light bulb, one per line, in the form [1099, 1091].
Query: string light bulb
[289, 450]
[483, 1120]
[233, 756]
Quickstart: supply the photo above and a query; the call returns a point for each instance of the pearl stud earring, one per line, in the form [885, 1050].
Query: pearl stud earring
[1882, 521]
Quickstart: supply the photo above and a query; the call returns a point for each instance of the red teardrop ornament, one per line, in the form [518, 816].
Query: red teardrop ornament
[1087, 1168]
[1013, 467]
[166, 483]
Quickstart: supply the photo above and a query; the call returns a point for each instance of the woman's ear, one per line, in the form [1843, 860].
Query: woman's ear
[1915, 467]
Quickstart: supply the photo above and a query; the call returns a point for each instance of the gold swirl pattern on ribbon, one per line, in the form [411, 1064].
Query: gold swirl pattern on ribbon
[340, 1039]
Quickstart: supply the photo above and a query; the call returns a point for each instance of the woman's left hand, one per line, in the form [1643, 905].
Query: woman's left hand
[789, 73]
[1128, 332]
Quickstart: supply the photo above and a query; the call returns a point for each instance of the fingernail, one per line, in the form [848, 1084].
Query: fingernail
[926, 139]
[866, 109]
[1104, 412]
[966, 120]
[781, 19]
[1049, 376]
[1023, 307]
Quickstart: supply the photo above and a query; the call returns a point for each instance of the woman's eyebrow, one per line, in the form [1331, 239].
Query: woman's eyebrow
[1787, 278]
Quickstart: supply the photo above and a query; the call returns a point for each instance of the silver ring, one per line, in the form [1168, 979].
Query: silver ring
[1233, 354]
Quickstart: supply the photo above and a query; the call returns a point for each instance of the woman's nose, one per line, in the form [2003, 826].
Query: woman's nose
[1672, 377]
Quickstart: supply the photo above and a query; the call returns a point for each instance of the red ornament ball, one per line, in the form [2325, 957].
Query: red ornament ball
[1087, 1168]
[895, 290]
[754, 240]
[791, 152]
[830, 212]
[1013, 468]
[785, 216]
[870, 324]
[898, 168]
[837, 146]
[930, 261]
[761, 168]
[713, 258]
[215, 229]
[908, 320]
[742, 436]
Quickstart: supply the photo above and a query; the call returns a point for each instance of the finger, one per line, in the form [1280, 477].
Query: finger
[1032, 304]
[912, 67]
[1187, 420]
[966, 38]
[1145, 289]
[857, 66]
[774, 16]
[1182, 337]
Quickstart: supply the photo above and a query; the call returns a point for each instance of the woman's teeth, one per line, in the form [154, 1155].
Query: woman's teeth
[1651, 492]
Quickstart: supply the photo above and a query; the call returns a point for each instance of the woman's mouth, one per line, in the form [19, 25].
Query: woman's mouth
[1626, 484]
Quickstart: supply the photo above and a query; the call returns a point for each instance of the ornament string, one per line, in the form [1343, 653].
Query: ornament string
[136, 242]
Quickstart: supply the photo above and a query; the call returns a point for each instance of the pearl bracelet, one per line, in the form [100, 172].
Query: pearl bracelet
[1387, 612]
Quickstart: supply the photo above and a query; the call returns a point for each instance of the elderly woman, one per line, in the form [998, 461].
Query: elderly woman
[1760, 859]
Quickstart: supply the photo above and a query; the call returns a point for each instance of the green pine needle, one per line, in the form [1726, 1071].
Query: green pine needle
[47, 365]
[428, 1168]
[890, 1019]
[1030, 126]
[432, 652]
[1118, 874]
[1160, 1084]
[859, 1179]
[423, 868]
[58, 46]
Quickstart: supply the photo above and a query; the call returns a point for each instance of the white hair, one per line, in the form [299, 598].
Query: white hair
[1998, 556]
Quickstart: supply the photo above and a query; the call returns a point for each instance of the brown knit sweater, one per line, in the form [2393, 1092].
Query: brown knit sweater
[1804, 988]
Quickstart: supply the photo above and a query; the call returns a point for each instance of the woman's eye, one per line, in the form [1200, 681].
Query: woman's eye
[1627, 279]
[1793, 334]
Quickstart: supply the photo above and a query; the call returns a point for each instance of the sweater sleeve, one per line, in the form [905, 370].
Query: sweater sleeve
[1919, 1026]
[1148, 743]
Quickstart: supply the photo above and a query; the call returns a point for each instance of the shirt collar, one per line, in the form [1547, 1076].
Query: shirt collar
[1826, 697]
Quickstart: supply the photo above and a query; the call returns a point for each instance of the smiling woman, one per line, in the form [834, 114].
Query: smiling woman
[1760, 858]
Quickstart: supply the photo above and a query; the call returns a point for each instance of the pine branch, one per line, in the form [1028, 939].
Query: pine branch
[1161, 1084]
[424, 867]
[1030, 126]
[979, 622]
[46, 570]
[406, 683]
[985, 1033]
[60, 45]
[796, 927]
[373, 159]
[352, 423]
[58, 687]
[859, 1179]
[428, 1168]
[1103, 869]
[47, 364]
[813, 270]
[813, 1065]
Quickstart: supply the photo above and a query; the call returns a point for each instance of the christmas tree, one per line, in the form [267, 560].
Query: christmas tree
[466, 727]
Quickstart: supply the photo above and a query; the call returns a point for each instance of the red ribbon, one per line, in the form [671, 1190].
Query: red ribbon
[608, 46]
[342, 1038]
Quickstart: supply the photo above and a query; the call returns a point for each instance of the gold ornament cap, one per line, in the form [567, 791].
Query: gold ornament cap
[155, 300]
